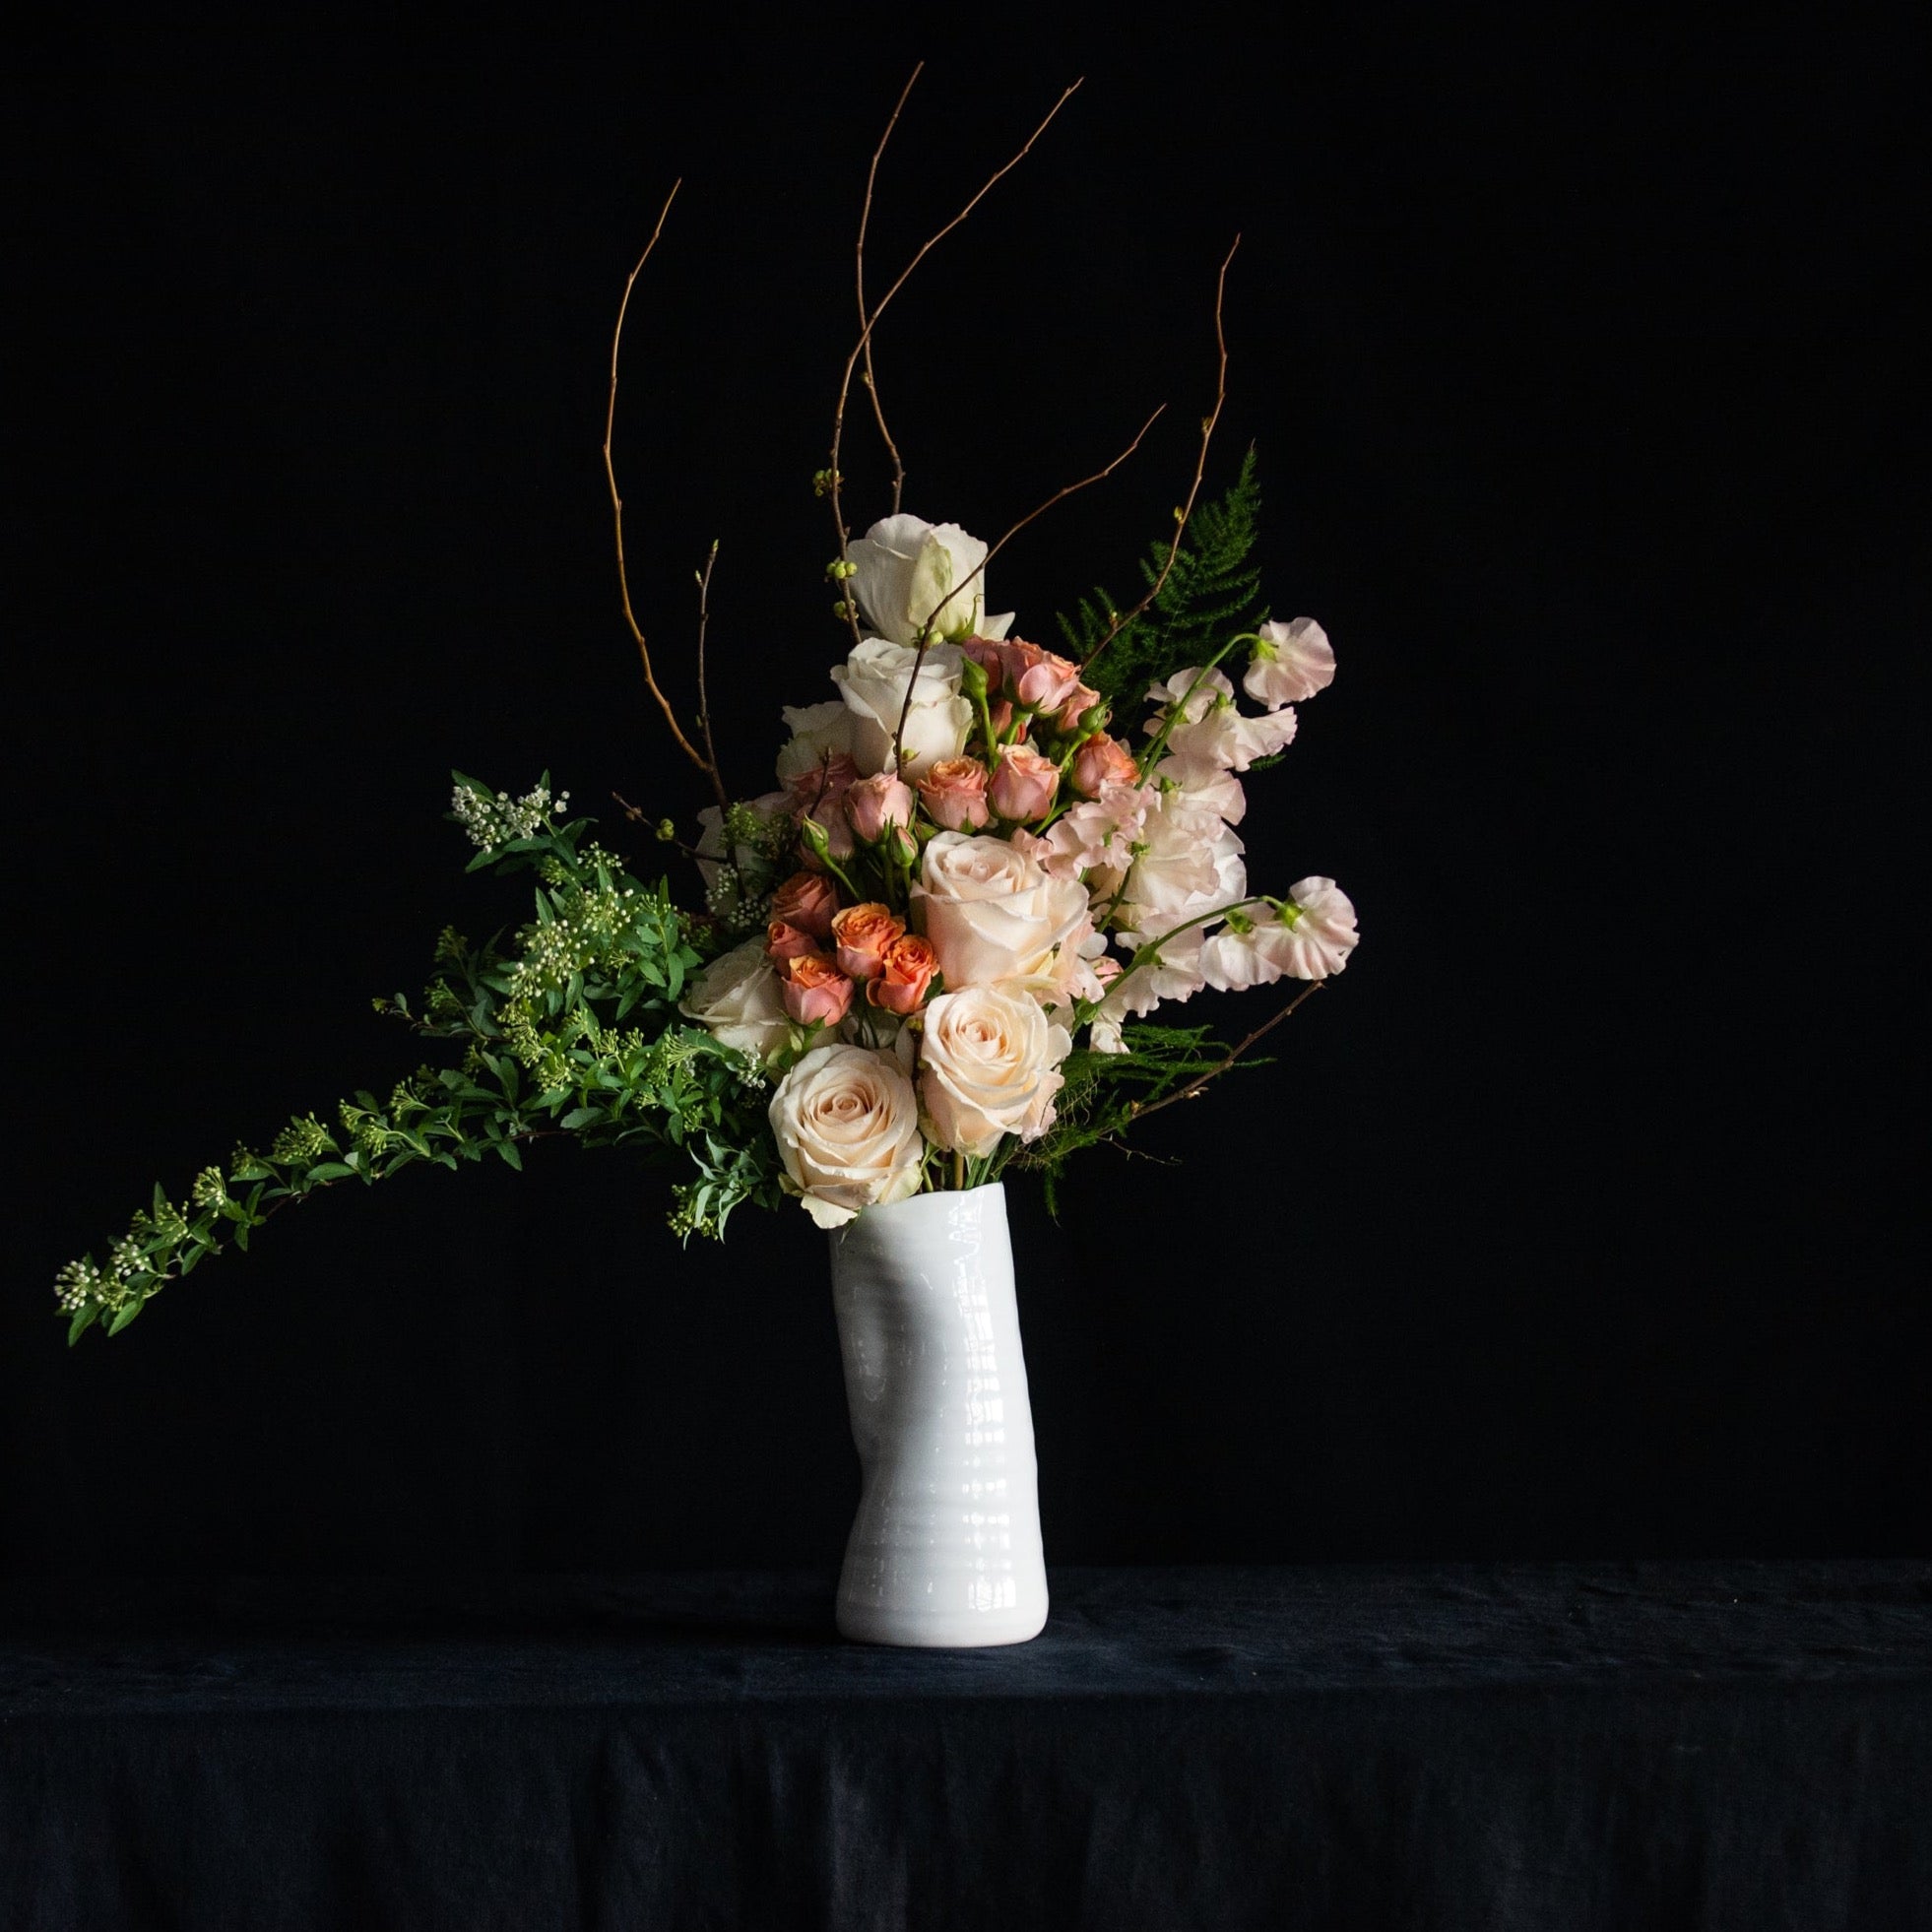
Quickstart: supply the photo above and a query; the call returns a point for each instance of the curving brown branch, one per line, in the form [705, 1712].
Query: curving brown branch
[1186, 510]
[979, 569]
[870, 378]
[707, 766]
[1227, 1059]
[704, 700]
[861, 348]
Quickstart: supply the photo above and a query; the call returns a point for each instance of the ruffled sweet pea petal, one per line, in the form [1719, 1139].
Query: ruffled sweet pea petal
[1291, 663]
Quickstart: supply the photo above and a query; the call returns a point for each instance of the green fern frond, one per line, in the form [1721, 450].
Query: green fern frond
[1210, 593]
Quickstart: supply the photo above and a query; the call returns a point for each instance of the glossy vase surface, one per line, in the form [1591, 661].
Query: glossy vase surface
[945, 1548]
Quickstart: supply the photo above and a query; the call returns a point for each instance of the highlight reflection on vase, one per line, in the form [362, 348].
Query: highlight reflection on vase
[945, 1548]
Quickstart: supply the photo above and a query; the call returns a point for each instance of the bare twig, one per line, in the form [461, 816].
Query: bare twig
[1059, 495]
[704, 701]
[689, 750]
[1186, 510]
[1233, 1054]
[860, 350]
[870, 377]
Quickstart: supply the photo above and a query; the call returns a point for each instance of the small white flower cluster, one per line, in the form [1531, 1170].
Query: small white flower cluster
[77, 1284]
[493, 821]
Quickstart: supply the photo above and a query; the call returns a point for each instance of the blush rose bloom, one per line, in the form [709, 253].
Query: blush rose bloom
[989, 1067]
[909, 573]
[1023, 784]
[862, 934]
[875, 805]
[873, 682]
[953, 794]
[807, 900]
[737, 1000]
[910, 966]
[991, 913]
[846, 1120]
[1100, 763]
[814, 991]
[783, 941]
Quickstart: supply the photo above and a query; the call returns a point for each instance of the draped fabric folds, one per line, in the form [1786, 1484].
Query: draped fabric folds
[1719, 1744]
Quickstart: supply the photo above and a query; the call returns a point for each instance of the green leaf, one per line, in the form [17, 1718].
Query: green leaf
[123, 1316]
[83, 1319]
[330, 1171]
[580, 1117]
[510, 1152]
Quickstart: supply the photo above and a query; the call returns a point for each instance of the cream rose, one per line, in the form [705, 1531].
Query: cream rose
[846, 1121]
[991, 913]
[989, 1067]
[909, 573]
[873, 681]
[738, 1002]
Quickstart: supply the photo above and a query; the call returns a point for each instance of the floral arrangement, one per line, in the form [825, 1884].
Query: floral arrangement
[928, 955]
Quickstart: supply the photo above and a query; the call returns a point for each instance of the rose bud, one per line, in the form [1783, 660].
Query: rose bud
[1024, 785]
[807, 900]
[813, 988]
[911, 965]
[1000, 716]
[983, 653]
[1047, 682]
[953, 794]
[873, 806]
[783, 941]
[823, 840]
[862, 934]
[1080, 701]
[1100, 763]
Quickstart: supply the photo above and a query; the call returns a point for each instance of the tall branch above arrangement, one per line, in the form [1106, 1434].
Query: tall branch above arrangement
[932, 951]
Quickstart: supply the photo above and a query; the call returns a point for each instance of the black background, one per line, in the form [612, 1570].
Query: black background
[1572, 1220]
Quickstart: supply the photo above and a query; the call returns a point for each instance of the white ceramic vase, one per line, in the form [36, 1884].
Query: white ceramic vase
[945, 1548]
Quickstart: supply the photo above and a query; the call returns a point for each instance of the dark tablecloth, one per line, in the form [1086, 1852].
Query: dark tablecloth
[1629, 1746]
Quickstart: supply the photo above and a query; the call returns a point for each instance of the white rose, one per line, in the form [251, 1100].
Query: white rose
[737, 1000]
[991, 913]
[818, 731]
[873, 681]
[989, 1067]
[910, 573]
[846, 1121]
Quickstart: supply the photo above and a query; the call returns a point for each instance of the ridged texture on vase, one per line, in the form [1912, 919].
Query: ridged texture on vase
[945, 1547]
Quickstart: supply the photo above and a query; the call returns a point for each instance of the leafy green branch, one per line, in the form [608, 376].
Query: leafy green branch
[571, 1029]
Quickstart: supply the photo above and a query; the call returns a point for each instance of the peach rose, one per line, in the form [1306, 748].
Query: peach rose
[846, 1120]
[814, 989]
[953, 794]
[807, 900]
[909, 968]
[1100, 763]
[1023, 784]
[783, 941]
[1080, 701]
[862, 934]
